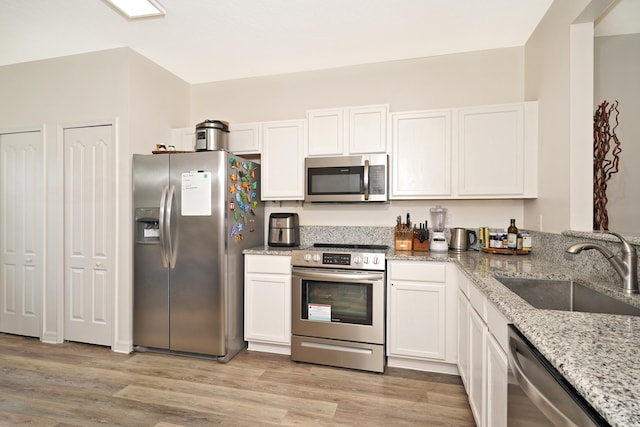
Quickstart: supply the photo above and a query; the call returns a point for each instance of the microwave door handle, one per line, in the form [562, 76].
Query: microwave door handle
[366, 179]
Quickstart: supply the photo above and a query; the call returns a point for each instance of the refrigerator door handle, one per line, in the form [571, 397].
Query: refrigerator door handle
[163, 234]
[172, 243]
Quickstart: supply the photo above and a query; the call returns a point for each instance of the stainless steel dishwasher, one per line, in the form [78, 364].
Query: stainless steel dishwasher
[538, 394]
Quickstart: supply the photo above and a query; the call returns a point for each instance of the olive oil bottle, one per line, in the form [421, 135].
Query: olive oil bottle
[512, 235]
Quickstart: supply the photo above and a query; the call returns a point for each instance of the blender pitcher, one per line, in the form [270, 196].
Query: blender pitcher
[438, 239]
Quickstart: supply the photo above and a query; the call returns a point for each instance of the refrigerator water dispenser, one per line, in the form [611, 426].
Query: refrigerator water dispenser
[148, 225]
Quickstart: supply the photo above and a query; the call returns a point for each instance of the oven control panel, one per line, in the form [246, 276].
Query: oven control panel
[336, 259]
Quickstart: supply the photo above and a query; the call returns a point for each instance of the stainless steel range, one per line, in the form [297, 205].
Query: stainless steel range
[338, 306]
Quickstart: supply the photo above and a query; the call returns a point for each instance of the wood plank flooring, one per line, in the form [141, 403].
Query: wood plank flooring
[75, 384]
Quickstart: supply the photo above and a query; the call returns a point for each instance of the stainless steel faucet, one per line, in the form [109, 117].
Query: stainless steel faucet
[626, 264]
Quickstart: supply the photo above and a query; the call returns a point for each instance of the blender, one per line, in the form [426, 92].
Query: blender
[438, 239]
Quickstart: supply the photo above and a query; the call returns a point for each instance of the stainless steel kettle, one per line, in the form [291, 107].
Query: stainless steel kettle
[462, 239]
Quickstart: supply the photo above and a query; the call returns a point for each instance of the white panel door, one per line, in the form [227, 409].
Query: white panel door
[21, 216]
[89, 234]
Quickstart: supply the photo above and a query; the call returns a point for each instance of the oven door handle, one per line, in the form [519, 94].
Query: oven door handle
[322, 274]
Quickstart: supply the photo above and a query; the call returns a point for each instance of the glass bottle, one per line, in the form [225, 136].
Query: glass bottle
[512, 235]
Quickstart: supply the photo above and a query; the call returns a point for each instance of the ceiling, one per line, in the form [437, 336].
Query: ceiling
[213, 40]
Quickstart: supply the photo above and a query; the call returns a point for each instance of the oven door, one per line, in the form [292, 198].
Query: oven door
[338, 304]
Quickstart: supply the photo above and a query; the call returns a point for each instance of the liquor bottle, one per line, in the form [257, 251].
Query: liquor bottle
[512, 235]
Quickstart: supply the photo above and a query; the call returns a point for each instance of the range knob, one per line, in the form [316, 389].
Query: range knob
[375, 260]
[316, 258]
[307, 257]
[366, 259]
[358, 260]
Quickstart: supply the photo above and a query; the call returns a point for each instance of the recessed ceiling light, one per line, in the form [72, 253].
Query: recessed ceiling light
[133, 9]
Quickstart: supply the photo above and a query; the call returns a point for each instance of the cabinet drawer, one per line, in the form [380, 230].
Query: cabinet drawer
[478, 301]
[417, 271]
[497, 324]
[278, 264]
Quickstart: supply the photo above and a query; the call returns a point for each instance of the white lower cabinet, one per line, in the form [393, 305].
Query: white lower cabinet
[482, 361]
[421, 316]
[496, 387]
[267, 303]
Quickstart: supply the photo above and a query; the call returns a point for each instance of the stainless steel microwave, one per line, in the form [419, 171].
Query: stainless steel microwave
[346, 178]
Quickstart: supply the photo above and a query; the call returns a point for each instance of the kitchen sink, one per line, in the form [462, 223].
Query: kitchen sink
[566, 295]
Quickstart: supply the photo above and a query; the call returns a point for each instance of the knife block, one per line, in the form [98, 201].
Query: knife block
[403, 238]
[420, 246]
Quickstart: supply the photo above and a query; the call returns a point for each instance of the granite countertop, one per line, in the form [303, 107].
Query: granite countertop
[598, 354]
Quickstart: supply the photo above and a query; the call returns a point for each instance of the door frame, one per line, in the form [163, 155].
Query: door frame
[55, 304]
[42, 129]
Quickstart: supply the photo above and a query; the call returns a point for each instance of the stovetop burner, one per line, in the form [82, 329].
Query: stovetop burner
[350, 246]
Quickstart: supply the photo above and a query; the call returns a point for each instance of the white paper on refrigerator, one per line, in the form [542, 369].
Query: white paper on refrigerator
[196, 194]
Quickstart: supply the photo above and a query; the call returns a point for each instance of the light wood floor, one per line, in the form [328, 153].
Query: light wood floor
[83, 385]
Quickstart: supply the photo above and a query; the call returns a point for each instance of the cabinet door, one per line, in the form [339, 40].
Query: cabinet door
[283, 160]
[417, 320]
[368, 129]
[477, 345]
[268, 308]
[244, 138]
[496, 391]
[183, 139]
[327, 129]
[421, 155]
[491, 150]
[463, 339]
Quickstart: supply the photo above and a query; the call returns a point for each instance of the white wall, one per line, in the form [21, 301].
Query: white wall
[547, 79]
[114, 85]
[617, 77]
[487, 77]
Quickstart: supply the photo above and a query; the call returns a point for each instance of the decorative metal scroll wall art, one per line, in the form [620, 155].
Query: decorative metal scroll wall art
[606, 157]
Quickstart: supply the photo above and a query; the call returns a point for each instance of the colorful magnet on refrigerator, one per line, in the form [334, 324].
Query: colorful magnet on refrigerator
[234, 230]
[234, 179]
[240, 226]
[249, 166]
[232, 189]
[232, 162]
[239, 238]
[232, 206]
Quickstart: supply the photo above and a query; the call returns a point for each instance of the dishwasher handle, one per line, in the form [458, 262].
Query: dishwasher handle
[528, 383]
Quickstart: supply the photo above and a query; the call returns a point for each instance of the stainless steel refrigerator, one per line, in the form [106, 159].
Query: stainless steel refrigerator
[194, 214]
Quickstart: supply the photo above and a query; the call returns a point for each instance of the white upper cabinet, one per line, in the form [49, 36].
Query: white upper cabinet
[497, 151]
[283, 160]
[421, 155]
[343, 131]
[244, 138]
[183, 139]
[488, 152]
